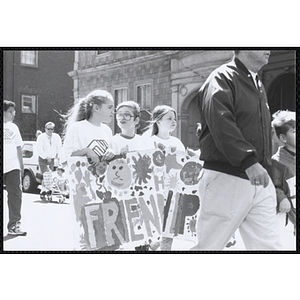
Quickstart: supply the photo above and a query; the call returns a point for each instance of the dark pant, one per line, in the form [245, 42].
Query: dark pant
[44, 165]
[12, 180]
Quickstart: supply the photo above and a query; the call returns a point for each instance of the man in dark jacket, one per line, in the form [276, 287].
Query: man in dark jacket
[235, 143]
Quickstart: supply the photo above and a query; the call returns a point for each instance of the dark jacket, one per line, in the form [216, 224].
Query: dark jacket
[283, 174]
[236, 121]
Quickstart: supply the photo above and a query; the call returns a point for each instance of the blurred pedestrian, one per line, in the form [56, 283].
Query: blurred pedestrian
[48, 147]
[37, 134]
[235, 142]
[13, 168]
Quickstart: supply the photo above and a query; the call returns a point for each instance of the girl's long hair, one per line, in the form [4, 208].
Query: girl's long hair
[157, 114]
[82, 109]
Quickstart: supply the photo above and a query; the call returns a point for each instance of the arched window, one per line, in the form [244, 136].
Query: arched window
[282, 93]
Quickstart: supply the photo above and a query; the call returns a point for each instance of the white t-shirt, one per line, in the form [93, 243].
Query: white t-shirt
[48, 147]
[172, 141]
[83, 134]
[136, 143]
[12, 139]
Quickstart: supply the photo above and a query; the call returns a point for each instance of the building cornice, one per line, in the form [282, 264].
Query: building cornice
[118, 64]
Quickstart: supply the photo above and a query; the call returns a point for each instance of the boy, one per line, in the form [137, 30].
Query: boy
[61, 181]
[128, 117]
[13, 168]
[283, 173]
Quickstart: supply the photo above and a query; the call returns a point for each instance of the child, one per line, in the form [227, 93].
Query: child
[85, 133]
[283, 173]
[13, 168]
[61, 181]
[163, 123]
[128, 117]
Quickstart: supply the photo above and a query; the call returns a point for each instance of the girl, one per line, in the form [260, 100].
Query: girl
[128, 117]
[164, 121]
[85, 133]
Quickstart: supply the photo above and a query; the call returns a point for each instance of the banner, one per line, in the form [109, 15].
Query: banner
[134, 200]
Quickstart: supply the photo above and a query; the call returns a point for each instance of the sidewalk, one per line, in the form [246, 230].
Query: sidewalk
[48, 226]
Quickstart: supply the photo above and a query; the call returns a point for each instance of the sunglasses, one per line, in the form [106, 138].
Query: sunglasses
[50, 128]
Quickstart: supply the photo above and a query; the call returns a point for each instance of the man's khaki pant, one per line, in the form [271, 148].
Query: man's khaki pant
[227, 203]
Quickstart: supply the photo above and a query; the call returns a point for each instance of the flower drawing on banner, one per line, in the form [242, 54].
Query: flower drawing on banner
[173, 182]
[142, 169]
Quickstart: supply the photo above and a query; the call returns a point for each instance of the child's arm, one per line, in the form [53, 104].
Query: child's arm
[192, 152]
[278, 175]
[284, 206]
[124, 150]
[109, 154]
[94, 158]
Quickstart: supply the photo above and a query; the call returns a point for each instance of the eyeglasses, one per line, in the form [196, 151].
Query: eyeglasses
[12, 111]
[50, 128]
[127, 117]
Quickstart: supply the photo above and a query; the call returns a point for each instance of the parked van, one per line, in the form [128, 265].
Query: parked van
[32, 175]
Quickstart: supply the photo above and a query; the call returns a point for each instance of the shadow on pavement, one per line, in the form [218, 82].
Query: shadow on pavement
[9, 237]
[34, 191]
[52, 202]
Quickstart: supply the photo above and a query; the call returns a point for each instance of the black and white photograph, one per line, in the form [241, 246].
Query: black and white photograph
[149, 149]
[150, 145]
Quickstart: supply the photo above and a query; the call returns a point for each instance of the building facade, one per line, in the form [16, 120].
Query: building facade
[39, 84]
[173, 77]
[44, 84]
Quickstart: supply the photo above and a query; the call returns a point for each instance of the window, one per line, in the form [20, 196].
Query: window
[121, 95]
[27, 151]
[29, 58]
[28, 104]
[102, 53]
[144, 96]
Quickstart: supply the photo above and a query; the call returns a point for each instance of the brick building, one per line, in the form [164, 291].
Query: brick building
[173, 77]
[142, 76]
[39, 84]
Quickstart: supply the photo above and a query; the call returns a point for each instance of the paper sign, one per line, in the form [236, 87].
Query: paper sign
[135, 200]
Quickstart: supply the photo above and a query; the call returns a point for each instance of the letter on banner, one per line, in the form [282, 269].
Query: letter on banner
[132, 201]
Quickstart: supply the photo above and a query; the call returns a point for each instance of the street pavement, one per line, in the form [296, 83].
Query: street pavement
[48, 225]
[49, 228]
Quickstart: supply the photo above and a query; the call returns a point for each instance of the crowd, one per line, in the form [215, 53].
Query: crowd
[242, 185]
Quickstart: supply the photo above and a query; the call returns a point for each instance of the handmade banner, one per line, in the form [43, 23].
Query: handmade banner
[181, 195]
[134, 200]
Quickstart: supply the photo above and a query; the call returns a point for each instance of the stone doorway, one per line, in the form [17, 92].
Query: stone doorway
[282, 93]
[190, 118]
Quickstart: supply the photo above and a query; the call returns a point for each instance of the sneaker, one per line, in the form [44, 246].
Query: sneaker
[231, 242]
[142, 248]
[15, 230]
